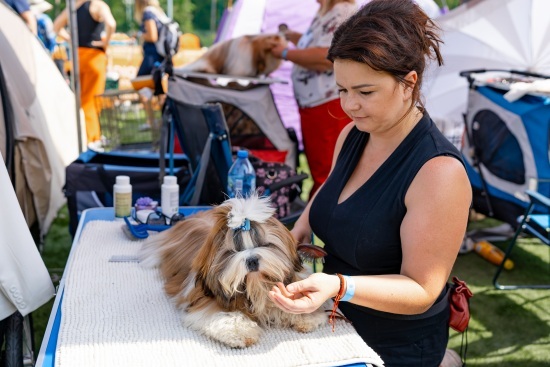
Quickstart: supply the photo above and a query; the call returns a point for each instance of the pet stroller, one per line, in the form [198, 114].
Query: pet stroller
[506, 149]
[197, 114]
[249, 110]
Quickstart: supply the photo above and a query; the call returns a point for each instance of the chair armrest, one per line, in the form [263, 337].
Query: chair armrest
[538, 198]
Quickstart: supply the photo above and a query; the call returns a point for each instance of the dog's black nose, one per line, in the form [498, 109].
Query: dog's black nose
[252, 263]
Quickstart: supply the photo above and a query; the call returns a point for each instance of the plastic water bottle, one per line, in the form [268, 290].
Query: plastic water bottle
[241, 180]
[492, 254]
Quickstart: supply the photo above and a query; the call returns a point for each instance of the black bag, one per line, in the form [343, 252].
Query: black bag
[280, 182]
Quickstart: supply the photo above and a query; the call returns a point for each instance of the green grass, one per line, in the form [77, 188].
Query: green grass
[508, 328]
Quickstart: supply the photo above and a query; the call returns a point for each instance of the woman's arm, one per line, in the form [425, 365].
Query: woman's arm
[438, 202]
[101, 12]
[60, 23]
[314, 58]
[151, 31]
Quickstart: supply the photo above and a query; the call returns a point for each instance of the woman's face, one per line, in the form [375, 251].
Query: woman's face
[374, 100]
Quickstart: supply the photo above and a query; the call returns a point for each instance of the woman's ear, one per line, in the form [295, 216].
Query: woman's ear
[410, 81]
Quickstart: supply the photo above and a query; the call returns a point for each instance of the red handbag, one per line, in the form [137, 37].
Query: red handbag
[460, 305]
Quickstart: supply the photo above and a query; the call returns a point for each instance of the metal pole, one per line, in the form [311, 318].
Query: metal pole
[213, 15]
[75, 69]
[170, 9]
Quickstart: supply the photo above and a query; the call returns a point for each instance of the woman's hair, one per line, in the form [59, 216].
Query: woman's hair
[392, 36]
[140, 6]
[329, 4]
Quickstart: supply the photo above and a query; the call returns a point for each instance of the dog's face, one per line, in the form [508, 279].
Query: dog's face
[219, 265]
[246, 252]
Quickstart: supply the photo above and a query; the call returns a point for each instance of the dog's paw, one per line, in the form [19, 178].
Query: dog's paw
[233, 329]
[307, 322]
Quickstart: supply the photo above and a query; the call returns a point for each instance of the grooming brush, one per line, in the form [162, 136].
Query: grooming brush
[311, 253]
[140, 231]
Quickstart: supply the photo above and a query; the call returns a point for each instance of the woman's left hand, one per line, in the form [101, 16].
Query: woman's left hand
[100, 44]
[306, 295]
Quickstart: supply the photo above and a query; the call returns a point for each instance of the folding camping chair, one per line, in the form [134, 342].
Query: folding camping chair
[203, 134]
[533, 224]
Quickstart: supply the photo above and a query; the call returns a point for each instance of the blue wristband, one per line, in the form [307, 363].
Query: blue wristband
[350, 288]
[284, 54]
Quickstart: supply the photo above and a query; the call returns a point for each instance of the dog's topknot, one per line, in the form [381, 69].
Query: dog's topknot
[254, 208]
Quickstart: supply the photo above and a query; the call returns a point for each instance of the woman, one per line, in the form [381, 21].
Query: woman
[96, 25]
[393, 212]
[321, 116]
[150, 15]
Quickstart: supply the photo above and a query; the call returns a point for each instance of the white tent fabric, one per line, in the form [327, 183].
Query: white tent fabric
[45, 120]
[487, 34]
[25, 283]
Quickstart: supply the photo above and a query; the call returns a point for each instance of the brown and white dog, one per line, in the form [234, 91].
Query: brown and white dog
[242, 56]
[219, 265]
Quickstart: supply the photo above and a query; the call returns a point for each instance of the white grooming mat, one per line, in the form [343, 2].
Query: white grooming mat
[116, 314]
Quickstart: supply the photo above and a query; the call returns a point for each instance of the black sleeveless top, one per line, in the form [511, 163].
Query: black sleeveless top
[362, 234]
[88, 28]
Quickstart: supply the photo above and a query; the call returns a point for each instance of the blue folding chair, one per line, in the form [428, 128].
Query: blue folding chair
[534, 224]
[203, 134]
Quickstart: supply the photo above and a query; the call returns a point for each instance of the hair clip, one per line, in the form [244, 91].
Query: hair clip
[246, 225]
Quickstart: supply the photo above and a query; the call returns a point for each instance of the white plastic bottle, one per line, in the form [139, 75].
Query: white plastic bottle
[122, 197]
[169, 196]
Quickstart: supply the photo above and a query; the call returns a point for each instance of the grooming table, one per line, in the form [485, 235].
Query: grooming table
[117, 314]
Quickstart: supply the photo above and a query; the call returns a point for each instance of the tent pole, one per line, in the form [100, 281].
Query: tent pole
[75, 69]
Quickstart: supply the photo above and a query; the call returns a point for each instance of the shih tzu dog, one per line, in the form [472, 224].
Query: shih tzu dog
[242, 56]
[219, 265]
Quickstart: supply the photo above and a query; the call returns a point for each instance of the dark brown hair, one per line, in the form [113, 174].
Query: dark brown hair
[393, 36]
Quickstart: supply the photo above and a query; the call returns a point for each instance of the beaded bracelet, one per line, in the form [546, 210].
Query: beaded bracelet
[341, 291]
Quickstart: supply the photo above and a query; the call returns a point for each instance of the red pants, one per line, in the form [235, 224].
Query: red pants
[321, 126]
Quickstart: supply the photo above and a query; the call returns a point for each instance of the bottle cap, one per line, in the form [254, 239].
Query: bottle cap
[242, 154]
[170, 180]
[122, 180]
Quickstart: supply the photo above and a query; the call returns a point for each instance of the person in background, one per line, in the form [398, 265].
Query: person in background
[44, 24]
[150, 16]
[22, 8]
[321, 116]
[96, 25]
[393, 212]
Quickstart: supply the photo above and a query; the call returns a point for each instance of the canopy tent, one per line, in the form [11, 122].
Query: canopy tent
[38, 132]
[487, 34]
[263, 16]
